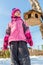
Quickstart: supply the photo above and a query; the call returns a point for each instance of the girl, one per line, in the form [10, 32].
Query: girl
[18, 35]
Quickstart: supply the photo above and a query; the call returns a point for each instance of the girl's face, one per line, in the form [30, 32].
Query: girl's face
[17, 13]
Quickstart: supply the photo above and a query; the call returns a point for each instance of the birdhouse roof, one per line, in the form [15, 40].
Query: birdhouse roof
[31, 11]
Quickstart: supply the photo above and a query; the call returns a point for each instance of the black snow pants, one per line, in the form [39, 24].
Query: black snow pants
[19, 53]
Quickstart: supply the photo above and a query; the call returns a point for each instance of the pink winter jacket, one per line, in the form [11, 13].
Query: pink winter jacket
[18, 31]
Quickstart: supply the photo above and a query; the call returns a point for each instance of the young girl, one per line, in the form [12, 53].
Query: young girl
[18, 35]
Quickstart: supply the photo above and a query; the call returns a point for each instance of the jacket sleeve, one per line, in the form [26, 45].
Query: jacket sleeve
[6, 37]
[27, 34]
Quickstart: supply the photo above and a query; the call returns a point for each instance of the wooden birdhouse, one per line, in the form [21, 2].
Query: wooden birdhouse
[32, 18]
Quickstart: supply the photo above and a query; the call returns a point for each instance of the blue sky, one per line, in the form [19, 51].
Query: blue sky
[5, 13]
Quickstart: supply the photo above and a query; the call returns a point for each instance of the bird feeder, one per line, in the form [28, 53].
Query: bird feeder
[32, 18]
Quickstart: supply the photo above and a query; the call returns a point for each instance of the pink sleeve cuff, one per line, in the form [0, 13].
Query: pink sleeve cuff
[29, 39]
[6, 38]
